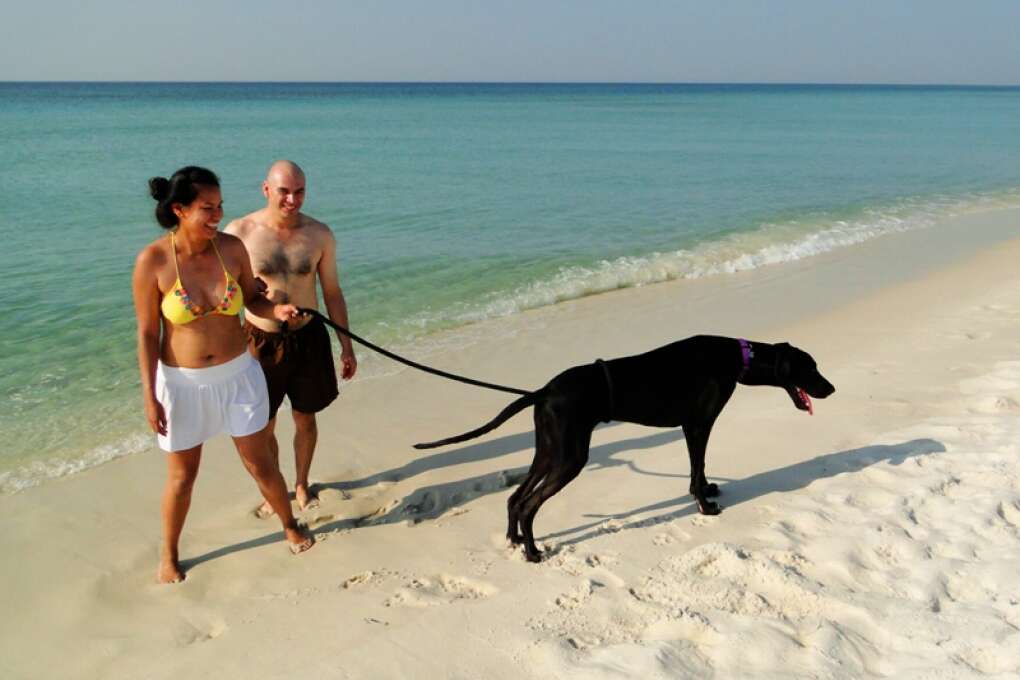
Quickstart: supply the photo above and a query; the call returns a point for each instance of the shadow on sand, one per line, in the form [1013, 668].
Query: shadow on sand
[735, 492]
[430, 502]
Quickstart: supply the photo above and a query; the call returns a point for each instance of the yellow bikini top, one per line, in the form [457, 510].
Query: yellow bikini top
[177, 306]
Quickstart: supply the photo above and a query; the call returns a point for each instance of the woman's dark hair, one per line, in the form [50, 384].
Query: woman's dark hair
[182, 187]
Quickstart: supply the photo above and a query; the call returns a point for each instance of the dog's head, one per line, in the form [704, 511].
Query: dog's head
[798, 374]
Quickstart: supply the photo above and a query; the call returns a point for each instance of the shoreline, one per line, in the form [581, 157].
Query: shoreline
[916, 330]
[776, 245]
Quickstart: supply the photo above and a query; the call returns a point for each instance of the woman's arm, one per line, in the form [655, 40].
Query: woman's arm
[145, 290]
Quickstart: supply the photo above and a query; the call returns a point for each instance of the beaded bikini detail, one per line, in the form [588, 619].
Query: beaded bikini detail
[180, 309]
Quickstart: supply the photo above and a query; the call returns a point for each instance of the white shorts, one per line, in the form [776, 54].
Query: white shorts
[199, 403]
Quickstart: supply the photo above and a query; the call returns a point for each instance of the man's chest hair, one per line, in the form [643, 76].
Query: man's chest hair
[280, 260]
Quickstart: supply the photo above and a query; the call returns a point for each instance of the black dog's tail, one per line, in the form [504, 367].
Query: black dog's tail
[510, 411]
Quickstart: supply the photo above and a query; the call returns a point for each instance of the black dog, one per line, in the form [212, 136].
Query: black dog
[686, 383]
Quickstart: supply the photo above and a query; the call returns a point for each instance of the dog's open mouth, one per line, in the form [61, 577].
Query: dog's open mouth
[801, 399]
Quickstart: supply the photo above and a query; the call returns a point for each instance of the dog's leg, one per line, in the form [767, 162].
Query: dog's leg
[513, 504]
[573, 457]
[701, 489]
[546, 442]
[549, 427]
[513, 533]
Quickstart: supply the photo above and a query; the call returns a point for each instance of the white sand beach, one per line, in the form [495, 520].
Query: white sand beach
[878, 538]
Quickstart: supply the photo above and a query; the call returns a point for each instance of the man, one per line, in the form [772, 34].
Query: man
[288, 251]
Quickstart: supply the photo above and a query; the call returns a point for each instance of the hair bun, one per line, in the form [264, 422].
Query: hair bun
[159, 188]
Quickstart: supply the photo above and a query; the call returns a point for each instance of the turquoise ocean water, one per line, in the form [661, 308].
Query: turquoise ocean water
[452, 203]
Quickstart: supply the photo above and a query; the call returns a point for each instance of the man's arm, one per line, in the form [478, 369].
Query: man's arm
[336, 305]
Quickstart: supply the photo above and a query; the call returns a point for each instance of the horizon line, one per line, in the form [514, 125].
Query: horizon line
[510, 82]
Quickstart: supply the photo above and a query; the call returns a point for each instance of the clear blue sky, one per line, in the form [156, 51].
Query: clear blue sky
[836, 41]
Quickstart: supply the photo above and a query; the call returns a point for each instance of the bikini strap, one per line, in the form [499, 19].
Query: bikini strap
[220, 257]
[173, 249]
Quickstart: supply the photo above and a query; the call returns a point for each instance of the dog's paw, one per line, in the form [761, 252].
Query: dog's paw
[532, 554]
[710, 490]
[708, 508]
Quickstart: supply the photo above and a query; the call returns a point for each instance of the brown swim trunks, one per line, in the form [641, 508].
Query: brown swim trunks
[298, 364]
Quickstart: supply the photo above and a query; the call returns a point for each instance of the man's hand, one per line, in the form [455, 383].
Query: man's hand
[349, 365]
[286, 313]
[261, 287]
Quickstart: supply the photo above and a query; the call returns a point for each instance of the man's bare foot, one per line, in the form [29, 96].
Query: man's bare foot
[264, 511]
[300, 539]
[306, 498]
[169, 572]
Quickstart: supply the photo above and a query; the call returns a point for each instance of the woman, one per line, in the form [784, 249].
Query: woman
[197, 377]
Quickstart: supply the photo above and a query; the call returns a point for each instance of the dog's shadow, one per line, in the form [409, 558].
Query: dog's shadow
[474, 453]
[431, 502]
[735, 492]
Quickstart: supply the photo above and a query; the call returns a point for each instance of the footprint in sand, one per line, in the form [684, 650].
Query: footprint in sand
[330, 495]
[370, 577]
[424, 504]
[991, 403]
[189, 633]
[451, 514]
[380, 512]
[423, 591]
[990, 660]
[578, 595]
[406, 598]
[948, 487]
[673, 534]
[590, 566]
[1009, 513]
[704, 520]
[663, 539]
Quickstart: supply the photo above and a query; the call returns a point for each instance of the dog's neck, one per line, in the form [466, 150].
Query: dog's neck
[759, 364]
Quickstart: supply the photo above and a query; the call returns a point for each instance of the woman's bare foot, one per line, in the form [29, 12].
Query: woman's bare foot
[264, 511]
[299, 538]
[306, 498]
[169, 572]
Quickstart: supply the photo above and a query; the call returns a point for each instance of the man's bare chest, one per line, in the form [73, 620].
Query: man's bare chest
[274, 259]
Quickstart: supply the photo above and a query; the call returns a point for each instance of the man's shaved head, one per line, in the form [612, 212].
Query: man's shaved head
[284, 189]
[284, 168]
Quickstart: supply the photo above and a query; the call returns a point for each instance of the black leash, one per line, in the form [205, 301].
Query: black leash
[413, 364]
